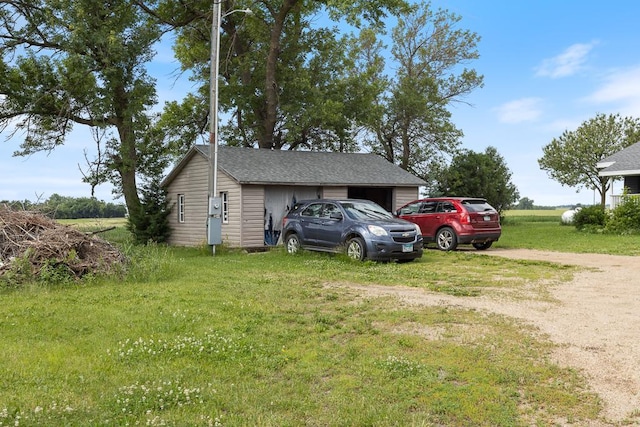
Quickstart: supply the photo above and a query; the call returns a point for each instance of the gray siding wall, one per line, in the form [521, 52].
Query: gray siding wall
[232, 231]
[404, 195]
[334, 192]
[193, 183]
[252, 216]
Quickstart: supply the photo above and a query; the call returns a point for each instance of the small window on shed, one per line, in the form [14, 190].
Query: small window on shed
[224, 195]
[181, 208]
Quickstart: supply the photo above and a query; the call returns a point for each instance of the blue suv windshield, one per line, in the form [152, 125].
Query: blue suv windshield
[365, 211]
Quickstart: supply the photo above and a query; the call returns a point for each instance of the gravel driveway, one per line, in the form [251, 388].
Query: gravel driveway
[595, 320]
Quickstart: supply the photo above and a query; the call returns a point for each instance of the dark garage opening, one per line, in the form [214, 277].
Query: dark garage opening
[381, 196]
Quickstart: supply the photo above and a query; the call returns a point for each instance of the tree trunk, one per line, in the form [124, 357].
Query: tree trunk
[604, 187]
[127, 170]
[127, 162]
[406, 146]
[271, 83]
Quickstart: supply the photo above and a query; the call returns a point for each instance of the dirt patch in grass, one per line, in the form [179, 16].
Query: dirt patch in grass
[594, 319]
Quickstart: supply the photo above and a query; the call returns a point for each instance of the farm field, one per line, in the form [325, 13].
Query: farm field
[94, 223]
[535, 213]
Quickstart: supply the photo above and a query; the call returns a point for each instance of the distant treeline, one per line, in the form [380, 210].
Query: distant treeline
[60, 207]
[546, 208]
[526, 203]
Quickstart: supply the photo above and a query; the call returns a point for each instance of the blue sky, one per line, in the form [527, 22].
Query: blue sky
[548, 67]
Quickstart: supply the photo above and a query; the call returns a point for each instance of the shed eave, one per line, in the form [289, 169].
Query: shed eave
[603, 165]
[328, 184]
[619, 172]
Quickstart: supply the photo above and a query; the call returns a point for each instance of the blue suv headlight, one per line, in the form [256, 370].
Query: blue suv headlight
[376, 230]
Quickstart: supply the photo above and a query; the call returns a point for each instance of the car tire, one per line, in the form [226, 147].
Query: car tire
[356, 249]
[292, 243]
[446, 239]
[482, 246]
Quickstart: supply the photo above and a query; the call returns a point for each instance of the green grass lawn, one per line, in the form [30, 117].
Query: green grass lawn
[268, 339]
[542, 230]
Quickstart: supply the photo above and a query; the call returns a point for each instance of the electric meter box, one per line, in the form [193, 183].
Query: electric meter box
[215, 206]
[214, 222]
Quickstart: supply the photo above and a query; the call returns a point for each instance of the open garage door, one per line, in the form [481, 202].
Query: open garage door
[277, 202]
[380, 195]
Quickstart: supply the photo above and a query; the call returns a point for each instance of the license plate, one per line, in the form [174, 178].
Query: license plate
[487, 218]
[407, 247]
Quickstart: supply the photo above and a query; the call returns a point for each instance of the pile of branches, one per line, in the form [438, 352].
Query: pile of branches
[31, 238]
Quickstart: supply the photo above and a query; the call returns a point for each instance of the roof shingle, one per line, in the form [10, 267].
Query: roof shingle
[279, 167]
[624, 162]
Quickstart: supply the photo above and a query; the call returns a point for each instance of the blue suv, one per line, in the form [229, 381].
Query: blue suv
[361, 228]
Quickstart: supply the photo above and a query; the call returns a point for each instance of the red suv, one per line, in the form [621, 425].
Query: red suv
[449, 221]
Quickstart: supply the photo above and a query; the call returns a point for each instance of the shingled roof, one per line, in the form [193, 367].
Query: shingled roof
[280, 167]
[624, 162]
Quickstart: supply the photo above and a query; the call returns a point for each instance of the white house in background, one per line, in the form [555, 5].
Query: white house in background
[626, 164]
[257, 187]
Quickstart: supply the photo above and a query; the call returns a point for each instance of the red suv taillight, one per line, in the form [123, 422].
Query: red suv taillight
[465, 218]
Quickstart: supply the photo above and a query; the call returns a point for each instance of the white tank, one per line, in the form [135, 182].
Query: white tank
[567, 216]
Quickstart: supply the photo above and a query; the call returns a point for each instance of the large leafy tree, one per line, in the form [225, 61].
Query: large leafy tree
[80, 62]
[287, 79]
[571, 158]
[288, 82]
[411, 125]
[479, 175]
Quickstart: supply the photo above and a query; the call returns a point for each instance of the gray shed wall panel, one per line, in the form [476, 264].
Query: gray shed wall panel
[252, 216]
[231, 232]
[404, 195]
[193, 183]
[334, 192]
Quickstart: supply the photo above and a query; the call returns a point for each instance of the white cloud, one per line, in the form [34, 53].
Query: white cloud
[560, 125]
[520, 110]
[567, 63]
[621, 87]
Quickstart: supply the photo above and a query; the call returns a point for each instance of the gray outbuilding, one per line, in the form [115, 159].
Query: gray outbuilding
[258, 186]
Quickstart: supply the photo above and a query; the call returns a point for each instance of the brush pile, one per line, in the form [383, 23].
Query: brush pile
[34, 240]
